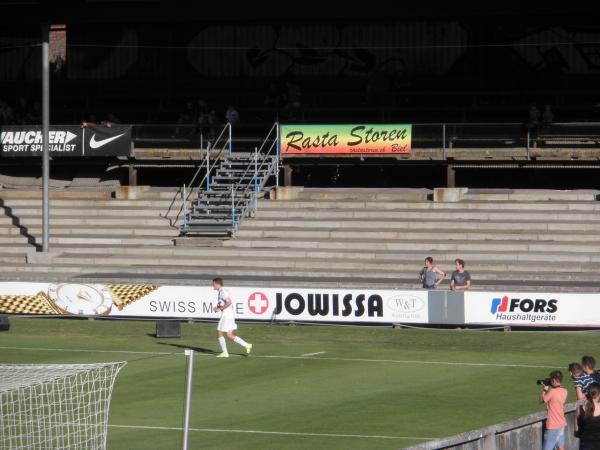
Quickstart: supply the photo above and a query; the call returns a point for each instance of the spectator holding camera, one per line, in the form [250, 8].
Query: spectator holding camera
[428, 275]
[581, 381]
[554, 396]
[588, 420]
[588, 364]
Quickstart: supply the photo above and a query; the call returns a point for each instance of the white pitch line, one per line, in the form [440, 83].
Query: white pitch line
[313, 354]
[314, 358]
[406, 361]
[89, 350]
[280, 433]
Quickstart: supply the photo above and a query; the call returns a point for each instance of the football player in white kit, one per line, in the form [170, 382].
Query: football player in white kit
[227, 322]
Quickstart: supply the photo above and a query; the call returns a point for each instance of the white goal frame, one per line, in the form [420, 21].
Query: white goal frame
[55, 406]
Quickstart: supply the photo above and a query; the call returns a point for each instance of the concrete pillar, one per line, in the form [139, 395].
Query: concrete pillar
[450, 176]
[133, 174]
[287, 175]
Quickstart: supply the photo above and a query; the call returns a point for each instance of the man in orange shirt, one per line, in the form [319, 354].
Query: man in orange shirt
[555, 397]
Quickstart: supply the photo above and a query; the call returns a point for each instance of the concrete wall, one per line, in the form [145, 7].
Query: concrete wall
[524, 433]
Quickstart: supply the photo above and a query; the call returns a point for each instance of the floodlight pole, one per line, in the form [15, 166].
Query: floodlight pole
[187, 401]
[46, 137]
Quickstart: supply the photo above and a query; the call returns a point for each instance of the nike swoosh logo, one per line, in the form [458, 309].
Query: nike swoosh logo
[97, 144]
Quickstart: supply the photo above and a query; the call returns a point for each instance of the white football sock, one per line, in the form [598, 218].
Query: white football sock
[240, 341]
[223, 344]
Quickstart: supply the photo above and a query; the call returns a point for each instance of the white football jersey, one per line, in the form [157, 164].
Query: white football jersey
[223, 297]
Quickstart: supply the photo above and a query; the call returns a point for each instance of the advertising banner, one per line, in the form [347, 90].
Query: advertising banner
[196, 302]
[532, 309]
[344, 139]
[66, 140]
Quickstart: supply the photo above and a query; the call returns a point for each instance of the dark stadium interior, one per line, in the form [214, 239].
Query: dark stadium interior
[136, 62]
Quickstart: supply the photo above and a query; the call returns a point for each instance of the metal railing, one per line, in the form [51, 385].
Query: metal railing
[269, 160]
[516, 136]
[221, 144]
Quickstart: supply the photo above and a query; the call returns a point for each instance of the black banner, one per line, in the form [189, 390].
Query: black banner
[66, 140]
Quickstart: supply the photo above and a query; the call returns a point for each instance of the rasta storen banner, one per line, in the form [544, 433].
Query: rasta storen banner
[345, 139]
[66, 140]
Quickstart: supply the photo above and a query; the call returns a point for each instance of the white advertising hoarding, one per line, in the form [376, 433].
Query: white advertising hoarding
[196, 302]
[532, 308]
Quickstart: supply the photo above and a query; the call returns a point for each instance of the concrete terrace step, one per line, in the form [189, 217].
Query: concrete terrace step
[113, 272]
[282, 263]
[13, 258]
[377, 242]
[430, 237]
[442, 225]
[416, 256]
[115, 239]
[531, 194]
[89, 230]
[365, 194]
[465, 214]
[88, 210]
[294, 282]
[83, 219]
[387, 205]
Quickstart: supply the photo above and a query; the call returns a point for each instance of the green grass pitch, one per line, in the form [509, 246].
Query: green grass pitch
[381, 388]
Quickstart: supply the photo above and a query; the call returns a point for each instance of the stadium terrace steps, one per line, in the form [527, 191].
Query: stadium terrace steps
[336, 237]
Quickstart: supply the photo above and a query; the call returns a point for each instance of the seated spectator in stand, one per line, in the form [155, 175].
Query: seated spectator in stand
[548, 116]
[110, 120]
[6, 113]
[293, 104]
[534, 115]
[429, 274]
[90, 120]
[588, 420]
[187, 117]
[581, 381]
[274, 97]
[232, 116]
[21, 111]
[554, 396]
[461, 279]
[588, 364]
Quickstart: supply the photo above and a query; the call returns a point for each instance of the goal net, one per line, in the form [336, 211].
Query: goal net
[54, 406]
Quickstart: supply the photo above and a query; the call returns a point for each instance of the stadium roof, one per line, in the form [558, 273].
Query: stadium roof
[110, 11]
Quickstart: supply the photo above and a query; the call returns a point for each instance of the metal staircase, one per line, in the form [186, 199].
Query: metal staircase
[230, 189]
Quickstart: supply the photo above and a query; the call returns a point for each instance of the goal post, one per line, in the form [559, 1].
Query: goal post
[55, 406]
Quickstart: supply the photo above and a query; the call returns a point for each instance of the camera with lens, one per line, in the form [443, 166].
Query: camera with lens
[544, 382]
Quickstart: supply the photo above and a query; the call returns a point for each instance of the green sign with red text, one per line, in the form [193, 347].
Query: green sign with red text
[344, 139]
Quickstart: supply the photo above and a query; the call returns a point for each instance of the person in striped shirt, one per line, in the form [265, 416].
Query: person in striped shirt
[588, 364]
[581, 380]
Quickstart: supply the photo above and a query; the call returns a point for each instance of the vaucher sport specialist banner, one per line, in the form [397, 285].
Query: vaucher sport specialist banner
[542, 309]
[357, 139]
[66, 140]
[196, 302]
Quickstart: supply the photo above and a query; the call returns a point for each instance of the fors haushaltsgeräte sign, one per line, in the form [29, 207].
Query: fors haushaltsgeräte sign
[344, 139]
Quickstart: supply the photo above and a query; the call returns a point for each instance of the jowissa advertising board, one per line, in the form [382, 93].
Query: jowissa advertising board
[357, 139]
[532, 309]
[66, 140]
[196, 302]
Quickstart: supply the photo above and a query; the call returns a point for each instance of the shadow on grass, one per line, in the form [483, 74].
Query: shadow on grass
[198, 349]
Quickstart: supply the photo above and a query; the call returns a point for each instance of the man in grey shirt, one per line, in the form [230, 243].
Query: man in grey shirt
[461, 279]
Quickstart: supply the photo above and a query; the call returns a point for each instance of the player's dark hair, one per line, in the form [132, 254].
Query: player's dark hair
[429, 259]
[218, 281]
[588, 361]
[460, 262]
